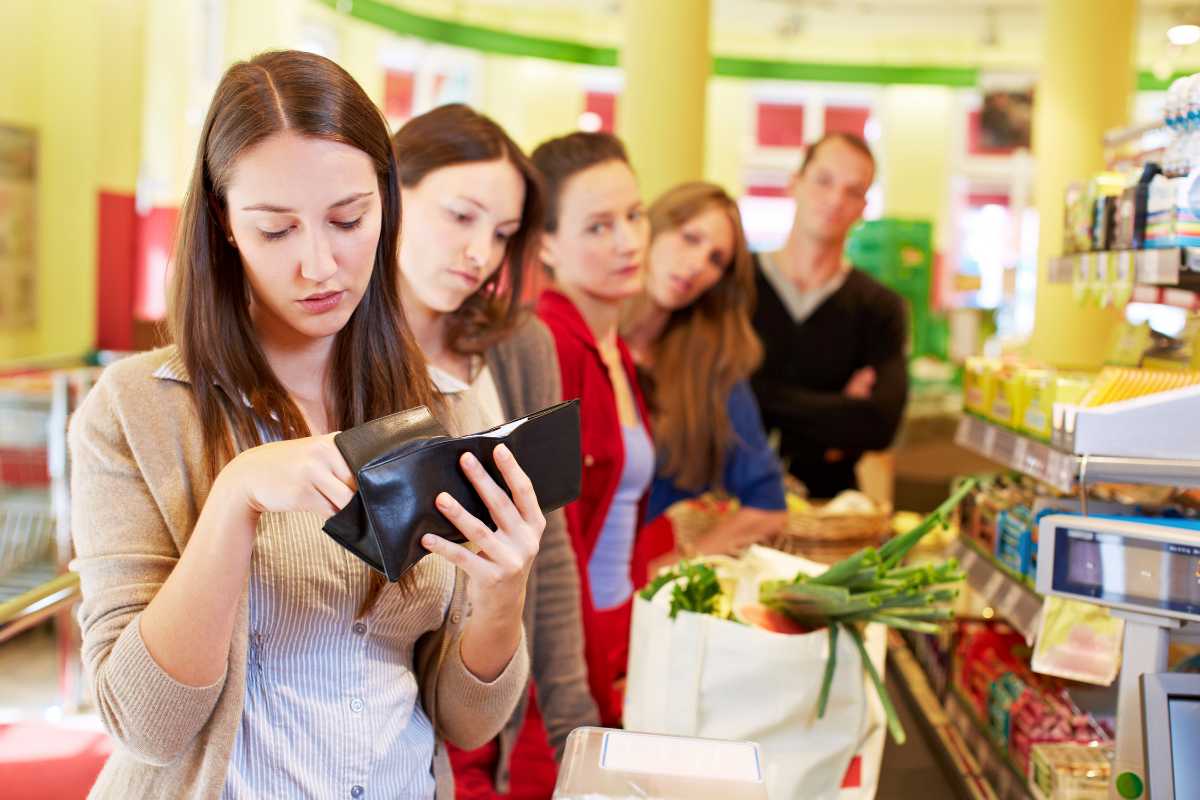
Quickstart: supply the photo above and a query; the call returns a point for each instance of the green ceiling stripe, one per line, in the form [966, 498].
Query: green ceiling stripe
[488, 40]
[1147, 82]
[843, 73]
[491, 40]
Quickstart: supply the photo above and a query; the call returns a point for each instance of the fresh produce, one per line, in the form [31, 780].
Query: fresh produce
[695, 588]
[869, 586]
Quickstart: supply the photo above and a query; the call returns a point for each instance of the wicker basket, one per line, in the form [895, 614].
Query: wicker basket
[828, 538]
[825, 538]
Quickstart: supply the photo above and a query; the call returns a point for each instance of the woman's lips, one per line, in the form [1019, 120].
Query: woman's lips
[628, 271]
[681, 285]
[467, 278]
[322, 302]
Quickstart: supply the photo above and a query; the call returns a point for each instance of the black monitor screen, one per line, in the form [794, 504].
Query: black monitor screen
[1127, 569]
[1185, 744]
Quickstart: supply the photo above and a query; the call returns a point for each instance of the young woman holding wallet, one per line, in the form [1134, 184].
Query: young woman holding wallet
[594, 246]
[691, 336]
[235, 650]
[473, 206]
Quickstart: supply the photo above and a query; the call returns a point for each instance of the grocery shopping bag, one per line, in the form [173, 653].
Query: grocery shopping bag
[698, 675]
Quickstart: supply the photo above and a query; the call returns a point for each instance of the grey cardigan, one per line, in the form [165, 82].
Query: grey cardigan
[138, 484]
[525, 368]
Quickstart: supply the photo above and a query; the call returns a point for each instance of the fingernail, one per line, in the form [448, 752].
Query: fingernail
[469, 460]
[443, 499]
[427, 539]
[502, 451]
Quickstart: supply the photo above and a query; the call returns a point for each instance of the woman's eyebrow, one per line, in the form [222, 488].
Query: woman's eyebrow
[274, 209]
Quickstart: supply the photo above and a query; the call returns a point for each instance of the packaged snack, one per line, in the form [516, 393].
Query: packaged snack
[1160, 212]
[979, 384]
[1008, 399]
[1077, 220]
[1070, 771]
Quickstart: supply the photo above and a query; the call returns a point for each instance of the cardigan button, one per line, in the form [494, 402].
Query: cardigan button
[455, 618]
[588, 461]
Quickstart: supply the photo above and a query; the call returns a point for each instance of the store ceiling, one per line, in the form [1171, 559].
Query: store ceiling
[998, 34]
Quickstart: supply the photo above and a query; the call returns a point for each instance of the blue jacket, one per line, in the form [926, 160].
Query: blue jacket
[751, 473]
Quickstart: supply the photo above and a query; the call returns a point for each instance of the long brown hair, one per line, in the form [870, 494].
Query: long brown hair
[376, 366]
[704, 349]
[457, 134]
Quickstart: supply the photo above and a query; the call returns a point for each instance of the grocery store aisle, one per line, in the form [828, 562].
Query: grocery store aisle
[911, 770]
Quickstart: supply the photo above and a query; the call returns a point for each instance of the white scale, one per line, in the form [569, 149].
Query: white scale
[1148, 571]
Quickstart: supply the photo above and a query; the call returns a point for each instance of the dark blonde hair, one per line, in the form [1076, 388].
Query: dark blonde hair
[376, 366]
[457, 134]
[704, 350]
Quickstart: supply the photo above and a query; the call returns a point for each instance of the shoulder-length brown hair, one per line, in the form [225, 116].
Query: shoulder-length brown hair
[457, 134]
[704, 349]
[376, 368]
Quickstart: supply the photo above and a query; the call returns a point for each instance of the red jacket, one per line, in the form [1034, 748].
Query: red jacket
[584, 375]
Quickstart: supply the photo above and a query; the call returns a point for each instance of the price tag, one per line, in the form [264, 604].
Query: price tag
[1101, 281]
[1123, 277]
[1083, 277]
[1019, 453]
[989, 439]
[991, 591]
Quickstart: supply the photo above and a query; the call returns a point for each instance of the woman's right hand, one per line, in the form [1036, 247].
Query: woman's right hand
[306, 474]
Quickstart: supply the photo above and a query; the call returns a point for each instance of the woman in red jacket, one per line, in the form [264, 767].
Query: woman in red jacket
[594, 245]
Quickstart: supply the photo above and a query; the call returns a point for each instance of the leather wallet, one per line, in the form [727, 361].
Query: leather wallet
[404, 460]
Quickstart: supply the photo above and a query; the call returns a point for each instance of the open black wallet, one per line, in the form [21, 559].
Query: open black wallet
[403, 461]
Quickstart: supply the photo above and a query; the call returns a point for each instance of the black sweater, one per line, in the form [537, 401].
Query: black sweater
[807, 365]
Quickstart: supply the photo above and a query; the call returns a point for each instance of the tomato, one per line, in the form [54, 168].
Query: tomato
[769, 619]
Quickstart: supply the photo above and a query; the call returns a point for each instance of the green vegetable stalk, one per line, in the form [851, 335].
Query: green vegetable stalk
[869, 586]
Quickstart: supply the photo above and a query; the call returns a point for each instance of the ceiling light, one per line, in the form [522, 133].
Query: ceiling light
[1184, 35]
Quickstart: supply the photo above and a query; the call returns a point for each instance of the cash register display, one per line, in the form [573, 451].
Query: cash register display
[1185, 744]
[1128, 569]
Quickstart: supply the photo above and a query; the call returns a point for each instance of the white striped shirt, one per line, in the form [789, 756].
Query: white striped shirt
[332, 707]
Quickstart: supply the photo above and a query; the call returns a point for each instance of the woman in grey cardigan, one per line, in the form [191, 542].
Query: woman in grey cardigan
[235, 650]
[472, 212]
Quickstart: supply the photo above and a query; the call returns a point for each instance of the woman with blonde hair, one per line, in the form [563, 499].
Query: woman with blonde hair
[691, 336]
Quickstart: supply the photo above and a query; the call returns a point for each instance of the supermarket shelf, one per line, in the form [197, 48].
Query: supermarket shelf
[1170, 266]
[1064, 470]
[960, 766]
[1036, 459]
[1009, 595]
[995, 764]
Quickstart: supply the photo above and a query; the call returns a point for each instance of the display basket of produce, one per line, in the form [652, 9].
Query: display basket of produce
[830, 531]
[824, 532]
[780, 650]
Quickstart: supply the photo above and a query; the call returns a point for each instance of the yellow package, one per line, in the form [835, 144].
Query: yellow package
[1038, 418]
[979, 384]
[1130, 344]
[1008, 401]
[1116, 384]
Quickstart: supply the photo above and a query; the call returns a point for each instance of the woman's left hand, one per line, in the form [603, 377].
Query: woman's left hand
[499, 571]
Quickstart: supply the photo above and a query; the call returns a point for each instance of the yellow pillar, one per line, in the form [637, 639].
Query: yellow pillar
[1085, 88]
[917, 123]
[730, 128]
[68, 162]
[660, 114]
